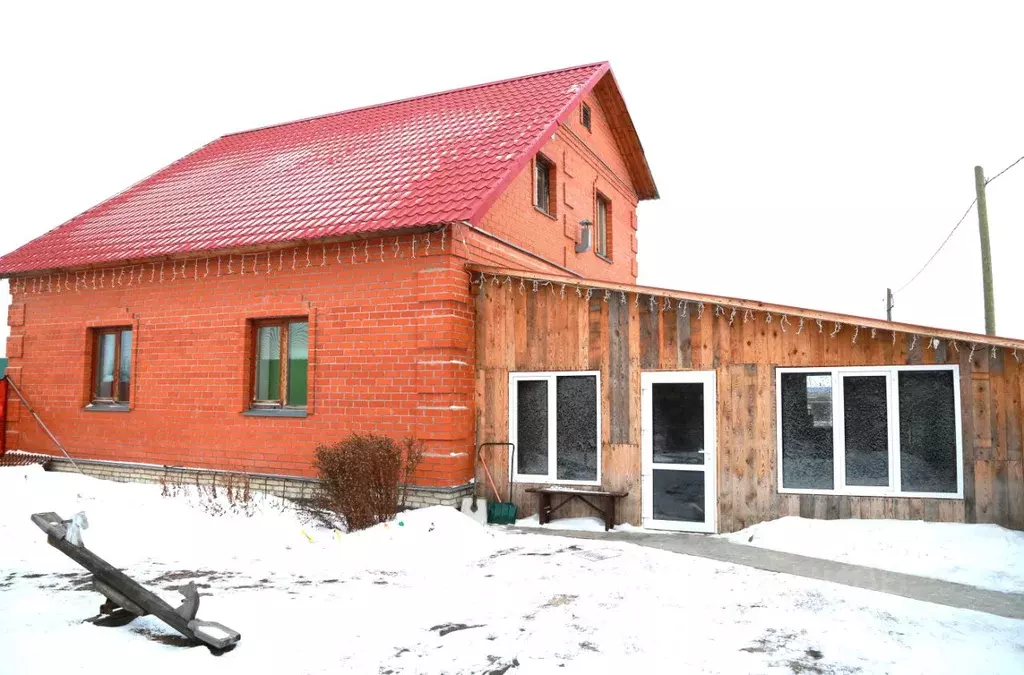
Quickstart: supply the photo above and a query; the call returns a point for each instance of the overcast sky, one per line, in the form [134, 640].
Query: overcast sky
[806, 153]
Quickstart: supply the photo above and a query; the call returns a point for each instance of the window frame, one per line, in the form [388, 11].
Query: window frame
[552, 197]
[551, 377]
[112, 402]
[894, 488]
[587, 117]
[280, 404]
[599, 199]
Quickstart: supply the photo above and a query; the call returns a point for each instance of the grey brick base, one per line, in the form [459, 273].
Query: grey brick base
[289, 487]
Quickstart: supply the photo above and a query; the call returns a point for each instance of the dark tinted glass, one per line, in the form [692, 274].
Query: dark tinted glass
[679, 495]
[866, 424]
[678, 423]
[543, 185]
[532, 427]
[807, 457]
[577, 427]
[927, 431]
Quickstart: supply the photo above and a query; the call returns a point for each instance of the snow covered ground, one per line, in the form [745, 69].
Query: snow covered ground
[987, 556]
[433, 592]
[581, 524]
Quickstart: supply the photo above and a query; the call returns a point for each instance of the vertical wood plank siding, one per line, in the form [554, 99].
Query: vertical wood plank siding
[535, 331]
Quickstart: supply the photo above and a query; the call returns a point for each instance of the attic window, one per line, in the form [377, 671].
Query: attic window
[544, 185]
[586, 116]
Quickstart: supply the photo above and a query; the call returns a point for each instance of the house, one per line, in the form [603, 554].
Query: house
[461, 268]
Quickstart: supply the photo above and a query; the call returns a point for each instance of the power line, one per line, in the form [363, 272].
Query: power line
[953, 231]
[944, 242]
[1004, 170]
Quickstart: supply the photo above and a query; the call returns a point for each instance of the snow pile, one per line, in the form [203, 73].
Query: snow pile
[434, 522]
[131, 522]
[988, 556]
[447, 533]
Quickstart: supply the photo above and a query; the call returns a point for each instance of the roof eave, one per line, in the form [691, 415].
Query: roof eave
[608, 92]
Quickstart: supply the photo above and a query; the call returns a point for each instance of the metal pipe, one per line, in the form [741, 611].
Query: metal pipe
[40, 423]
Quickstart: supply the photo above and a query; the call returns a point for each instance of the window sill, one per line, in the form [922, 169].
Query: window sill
[552, 216]
[103, 407]
[275, 412]
[604, 258]
[873, 494]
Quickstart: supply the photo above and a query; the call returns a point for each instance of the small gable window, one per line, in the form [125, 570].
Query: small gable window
[544, 185]
[585, 114]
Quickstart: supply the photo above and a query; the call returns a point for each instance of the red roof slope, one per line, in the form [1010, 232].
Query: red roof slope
[418, 162]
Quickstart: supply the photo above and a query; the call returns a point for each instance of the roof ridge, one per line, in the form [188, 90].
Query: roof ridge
[407, 99]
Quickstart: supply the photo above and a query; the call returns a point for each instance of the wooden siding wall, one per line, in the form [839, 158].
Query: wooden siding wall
[523, 330]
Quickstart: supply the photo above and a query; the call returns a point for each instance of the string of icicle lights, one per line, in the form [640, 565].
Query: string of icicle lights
[255, 264]
[697, 308]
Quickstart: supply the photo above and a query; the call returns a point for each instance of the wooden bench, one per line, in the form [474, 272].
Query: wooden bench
[607, 499]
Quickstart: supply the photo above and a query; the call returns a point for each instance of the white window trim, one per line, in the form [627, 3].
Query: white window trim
[513, 433]
[894, 489]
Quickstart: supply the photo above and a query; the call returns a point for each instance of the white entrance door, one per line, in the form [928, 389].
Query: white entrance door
[678, 448]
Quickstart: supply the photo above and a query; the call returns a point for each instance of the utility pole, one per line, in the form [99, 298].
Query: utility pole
[888, 304]
[986, 253]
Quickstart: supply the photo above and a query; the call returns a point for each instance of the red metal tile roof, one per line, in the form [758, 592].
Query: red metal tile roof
[418, 162]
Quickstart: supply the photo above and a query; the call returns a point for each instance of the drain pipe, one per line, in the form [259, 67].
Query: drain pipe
[40, 423]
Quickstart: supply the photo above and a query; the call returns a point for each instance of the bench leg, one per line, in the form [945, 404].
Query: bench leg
[544, 513]
[609, 513]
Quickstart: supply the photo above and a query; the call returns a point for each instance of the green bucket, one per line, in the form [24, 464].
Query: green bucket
[501, 513]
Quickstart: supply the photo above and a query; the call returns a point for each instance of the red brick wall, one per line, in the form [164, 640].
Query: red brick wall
[391, 351]
[586, 162]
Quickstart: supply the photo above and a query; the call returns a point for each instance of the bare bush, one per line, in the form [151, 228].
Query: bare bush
[364, 478]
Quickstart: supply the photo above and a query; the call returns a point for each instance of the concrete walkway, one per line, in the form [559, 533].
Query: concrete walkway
[1010, 605]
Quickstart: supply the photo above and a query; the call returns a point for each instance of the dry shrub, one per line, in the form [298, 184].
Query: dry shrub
[360, 477]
